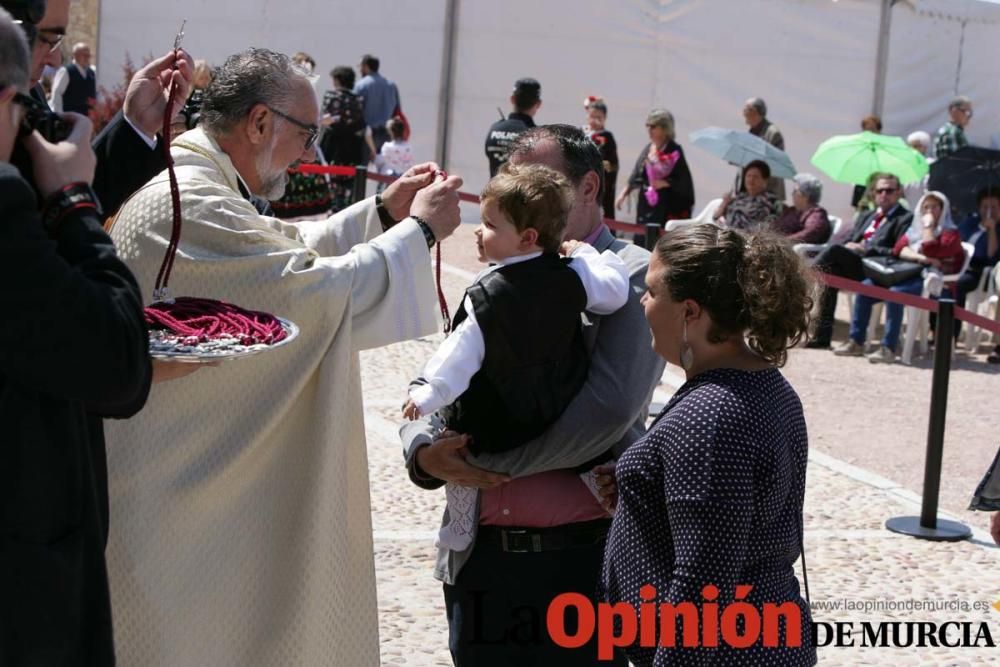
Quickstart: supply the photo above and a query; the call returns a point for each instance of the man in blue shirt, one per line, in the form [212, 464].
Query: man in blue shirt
[379, 99]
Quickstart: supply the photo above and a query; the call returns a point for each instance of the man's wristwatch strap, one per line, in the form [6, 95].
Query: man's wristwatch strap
[71, 197]
[426, 229]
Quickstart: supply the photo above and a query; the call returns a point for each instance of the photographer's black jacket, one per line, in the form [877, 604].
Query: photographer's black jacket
[73, 349]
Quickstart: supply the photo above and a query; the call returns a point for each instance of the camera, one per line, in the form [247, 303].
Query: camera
[48, 123]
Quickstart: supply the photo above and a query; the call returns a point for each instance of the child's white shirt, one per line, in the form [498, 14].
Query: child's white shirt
[394, 158]
[448, 372]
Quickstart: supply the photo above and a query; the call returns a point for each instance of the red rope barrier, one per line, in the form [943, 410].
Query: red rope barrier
[836, 282]
[883, 294]
[326, 169]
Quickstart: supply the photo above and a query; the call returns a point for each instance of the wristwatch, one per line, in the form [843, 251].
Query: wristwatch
[68, 198]
[426, 229]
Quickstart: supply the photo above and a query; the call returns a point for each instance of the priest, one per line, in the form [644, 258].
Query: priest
[240, 500]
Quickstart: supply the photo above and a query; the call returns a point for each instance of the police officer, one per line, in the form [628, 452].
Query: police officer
[525, 100]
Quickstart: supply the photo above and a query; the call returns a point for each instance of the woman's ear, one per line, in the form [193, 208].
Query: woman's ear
[692, 310]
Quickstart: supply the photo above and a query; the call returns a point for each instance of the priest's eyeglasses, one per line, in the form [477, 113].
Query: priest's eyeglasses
[311, 129]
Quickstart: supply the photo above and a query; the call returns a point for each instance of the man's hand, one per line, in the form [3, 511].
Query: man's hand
[69, 161]
[607, 486]
[398, 195]
[859, 248]
[165, 371]
[437, 205]
[146, 97]
[411, 411]
[444, 459]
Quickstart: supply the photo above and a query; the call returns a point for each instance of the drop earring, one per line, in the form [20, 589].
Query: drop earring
[687, 354]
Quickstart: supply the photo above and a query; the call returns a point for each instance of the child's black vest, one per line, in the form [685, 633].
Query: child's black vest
[535, 361]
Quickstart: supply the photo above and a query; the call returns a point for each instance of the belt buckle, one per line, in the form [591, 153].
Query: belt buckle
[504, 544]
[536, 542]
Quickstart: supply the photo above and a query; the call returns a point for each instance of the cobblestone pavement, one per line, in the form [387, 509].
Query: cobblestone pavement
[867, 427]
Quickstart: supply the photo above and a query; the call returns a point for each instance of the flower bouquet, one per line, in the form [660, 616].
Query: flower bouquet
[657, 170]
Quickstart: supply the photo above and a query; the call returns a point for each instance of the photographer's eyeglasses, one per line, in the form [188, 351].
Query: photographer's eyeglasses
[311, 129]
[53, 42]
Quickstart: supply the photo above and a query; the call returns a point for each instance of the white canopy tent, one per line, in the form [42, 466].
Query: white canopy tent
[815, 62]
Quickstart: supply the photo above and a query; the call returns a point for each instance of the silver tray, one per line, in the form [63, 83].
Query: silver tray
[187, 354]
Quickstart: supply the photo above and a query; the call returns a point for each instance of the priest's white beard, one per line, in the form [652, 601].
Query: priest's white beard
[272, 185]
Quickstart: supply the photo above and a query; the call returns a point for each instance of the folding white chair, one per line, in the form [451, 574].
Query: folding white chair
[705, 216]
[979, 301]
[809, 251]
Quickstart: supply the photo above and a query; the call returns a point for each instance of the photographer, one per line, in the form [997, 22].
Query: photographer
[73, 349]
[128, 151]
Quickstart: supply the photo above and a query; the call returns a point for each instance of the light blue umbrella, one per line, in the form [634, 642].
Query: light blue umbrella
[739, 147]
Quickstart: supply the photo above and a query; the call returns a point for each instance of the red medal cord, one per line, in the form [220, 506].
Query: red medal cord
[193, 317]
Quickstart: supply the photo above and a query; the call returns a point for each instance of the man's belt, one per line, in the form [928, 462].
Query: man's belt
[536, 540]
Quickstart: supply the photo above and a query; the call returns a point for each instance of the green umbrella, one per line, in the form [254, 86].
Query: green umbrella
[853, 158]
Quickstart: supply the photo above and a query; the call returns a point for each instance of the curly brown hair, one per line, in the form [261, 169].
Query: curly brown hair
[751, 284]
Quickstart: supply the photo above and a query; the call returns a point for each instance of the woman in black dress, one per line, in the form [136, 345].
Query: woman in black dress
[670, 194]
[597, 114]
[712, 495]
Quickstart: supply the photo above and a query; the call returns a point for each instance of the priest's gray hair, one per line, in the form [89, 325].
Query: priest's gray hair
[15, 60]
[810, 187]
[255, 76]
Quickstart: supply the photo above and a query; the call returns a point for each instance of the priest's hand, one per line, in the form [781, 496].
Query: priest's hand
[398, 195]
[444, 459]
[437, 205]
[146, 97]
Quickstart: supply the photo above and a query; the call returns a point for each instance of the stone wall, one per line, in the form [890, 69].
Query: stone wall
[83, 20]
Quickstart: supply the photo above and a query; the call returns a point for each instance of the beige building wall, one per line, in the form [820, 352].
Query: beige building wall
[83, 16]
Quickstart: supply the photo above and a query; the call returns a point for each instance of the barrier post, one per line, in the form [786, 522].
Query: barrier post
[360, 183]
[928, 526]
[652, 235]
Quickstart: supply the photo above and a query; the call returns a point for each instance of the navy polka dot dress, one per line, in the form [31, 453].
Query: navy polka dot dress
[712, 494]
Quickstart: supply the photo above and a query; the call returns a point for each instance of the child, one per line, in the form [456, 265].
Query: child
[516, 357]
[395, 157]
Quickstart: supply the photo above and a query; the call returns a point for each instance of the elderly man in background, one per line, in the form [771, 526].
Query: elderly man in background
[74, 87]
[73, 349]
[950, 137]
[241, 500]
[755, 116]
[874, 235]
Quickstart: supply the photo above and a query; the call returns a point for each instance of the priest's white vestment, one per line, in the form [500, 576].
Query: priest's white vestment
[240, 514]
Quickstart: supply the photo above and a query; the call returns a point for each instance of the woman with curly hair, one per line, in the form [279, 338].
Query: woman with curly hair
[709, 502]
